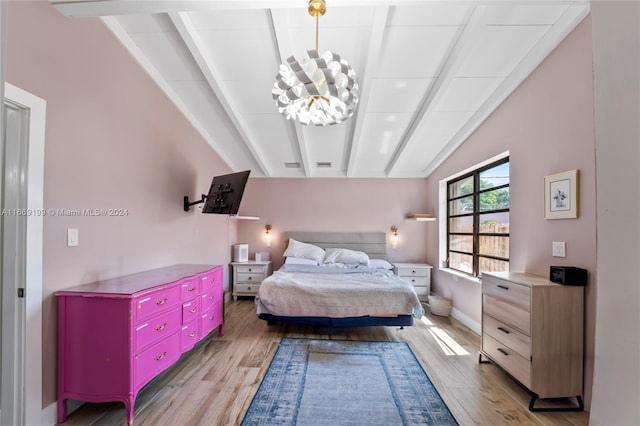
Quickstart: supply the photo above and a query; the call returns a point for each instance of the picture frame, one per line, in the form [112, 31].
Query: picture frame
[561, 195]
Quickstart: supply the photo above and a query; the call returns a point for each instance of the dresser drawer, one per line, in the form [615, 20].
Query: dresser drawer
[157, 328]
[189, 336]
[407, 271]
[515, 293]
[251, 269]
[248, 278]
[211, 280]
[189, 288]
[519, 342]
[211, 320]
[507, 313]
[417, 281]
[156, 359]
[207, 300]
[422, 292]
[514, 364]
[190, 310]
[159, 301]
[246, 288]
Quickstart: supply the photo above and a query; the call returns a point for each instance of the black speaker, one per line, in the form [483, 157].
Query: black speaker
[568, 275]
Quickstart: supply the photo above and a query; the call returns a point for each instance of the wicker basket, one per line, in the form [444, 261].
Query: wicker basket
[439, 305]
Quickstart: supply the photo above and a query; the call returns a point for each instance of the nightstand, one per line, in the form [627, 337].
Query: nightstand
[247, 277]
[418, 274]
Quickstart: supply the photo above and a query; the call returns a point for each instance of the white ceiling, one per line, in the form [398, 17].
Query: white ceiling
[429, 73]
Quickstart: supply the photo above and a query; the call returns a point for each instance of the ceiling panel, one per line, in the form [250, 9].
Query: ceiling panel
[429, 72]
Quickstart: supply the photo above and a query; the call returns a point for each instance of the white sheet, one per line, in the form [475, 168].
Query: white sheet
[336, 293]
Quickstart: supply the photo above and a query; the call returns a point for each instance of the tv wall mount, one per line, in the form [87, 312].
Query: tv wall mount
[219, 202]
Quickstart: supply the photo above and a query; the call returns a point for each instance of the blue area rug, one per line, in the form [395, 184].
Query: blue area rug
[338, 382]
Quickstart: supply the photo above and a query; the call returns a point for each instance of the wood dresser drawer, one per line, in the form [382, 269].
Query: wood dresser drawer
[156, 359]
[190, 310]
[519, 342]
[247, 288]
[517, 294]
[507, 313]
[211, 280]
[250, 269]
[189, 336]
[211, 319]
[514, 364]
[157, 328]
[249, 278]
[189, 288]
[408, 271]
[153, 303]
[417, 281]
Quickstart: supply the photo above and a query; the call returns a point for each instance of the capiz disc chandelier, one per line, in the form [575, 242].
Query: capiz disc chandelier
[317, 89]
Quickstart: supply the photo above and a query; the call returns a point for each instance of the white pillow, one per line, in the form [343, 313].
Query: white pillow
[346, 256]
[304, 251]
[379, 264]
[299, 261]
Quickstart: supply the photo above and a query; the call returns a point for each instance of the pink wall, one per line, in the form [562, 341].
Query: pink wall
[113, 140]
[339, 205]
[547, 125]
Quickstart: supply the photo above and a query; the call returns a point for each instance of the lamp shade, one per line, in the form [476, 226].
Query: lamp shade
[317, 89]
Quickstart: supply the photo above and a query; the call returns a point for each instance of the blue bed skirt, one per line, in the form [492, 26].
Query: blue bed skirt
[400, 320]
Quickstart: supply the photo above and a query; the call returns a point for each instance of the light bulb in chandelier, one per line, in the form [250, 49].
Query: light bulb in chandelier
[320, 89]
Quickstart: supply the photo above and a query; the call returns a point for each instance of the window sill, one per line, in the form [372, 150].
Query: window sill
[457, 275]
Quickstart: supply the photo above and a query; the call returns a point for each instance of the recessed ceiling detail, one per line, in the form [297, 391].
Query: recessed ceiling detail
[429, 73]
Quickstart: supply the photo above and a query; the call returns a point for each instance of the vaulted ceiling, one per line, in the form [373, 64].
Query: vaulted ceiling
[430, 72]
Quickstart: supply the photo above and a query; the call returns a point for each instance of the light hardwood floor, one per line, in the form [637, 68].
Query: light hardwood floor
[215, 383]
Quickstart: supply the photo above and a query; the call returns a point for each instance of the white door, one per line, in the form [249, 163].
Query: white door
[22, 167]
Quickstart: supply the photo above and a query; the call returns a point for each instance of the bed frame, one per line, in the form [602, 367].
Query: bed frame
[372, 243]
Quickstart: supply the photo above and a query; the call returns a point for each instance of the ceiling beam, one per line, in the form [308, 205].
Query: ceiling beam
[120, 33]
[366, 82]
[566, 24]
[192, 40]
[446, 73]
[284, 49]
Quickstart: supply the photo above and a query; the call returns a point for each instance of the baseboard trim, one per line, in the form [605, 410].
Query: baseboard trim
[474, 326]
[227, 297]
[50, 413]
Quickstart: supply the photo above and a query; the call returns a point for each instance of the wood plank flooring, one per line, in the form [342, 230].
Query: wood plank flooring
[215, 382]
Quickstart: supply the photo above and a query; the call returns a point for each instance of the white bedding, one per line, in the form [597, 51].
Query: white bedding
[318, 291]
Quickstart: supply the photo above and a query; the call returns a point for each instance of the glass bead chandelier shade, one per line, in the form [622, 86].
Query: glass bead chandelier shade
[317, 89]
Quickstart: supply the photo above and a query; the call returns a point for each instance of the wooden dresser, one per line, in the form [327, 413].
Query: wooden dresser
[116, 335]
[533, 329]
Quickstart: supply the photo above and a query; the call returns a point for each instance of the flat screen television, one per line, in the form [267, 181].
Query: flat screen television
[225, 193]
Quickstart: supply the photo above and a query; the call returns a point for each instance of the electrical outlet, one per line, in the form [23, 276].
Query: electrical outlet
[558, 249]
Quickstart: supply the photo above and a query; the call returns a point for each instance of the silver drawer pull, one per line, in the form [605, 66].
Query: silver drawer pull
[504, 287]
[504, 330]
[503, 352]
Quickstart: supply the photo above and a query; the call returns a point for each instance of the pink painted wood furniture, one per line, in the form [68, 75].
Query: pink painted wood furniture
[116, 335]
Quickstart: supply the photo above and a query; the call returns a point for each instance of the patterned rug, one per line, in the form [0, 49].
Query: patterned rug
[338, 382]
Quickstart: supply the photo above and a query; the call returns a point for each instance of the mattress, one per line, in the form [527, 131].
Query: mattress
[320, 291]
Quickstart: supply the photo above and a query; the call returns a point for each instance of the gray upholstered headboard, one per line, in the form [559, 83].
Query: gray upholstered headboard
[372, 243]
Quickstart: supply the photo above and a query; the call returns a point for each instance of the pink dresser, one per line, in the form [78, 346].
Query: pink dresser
[116, 335]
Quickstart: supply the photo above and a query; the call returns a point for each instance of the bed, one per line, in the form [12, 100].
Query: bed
[334, 279]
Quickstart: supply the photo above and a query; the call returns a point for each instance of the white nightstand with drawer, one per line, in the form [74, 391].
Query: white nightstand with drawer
[247, 277]
[418, 274]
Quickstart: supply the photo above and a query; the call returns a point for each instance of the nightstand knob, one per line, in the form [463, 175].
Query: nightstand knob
[249, 269]
[413, 272]
[249, 278]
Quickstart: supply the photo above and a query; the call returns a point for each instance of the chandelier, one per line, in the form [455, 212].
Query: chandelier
[314, 88]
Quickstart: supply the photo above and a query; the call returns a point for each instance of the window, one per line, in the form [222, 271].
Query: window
[478, 220]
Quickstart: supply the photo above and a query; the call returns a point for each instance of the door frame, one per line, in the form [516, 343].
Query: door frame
[32, 356]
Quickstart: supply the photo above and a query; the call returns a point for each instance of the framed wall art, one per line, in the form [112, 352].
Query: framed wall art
[561, 195]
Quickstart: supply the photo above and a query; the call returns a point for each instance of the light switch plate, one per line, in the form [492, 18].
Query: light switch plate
[558, 249]
[72, 237]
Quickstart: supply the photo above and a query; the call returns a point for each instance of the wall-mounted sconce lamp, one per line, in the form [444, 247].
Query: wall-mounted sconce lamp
[268, 234]
[394, 237]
